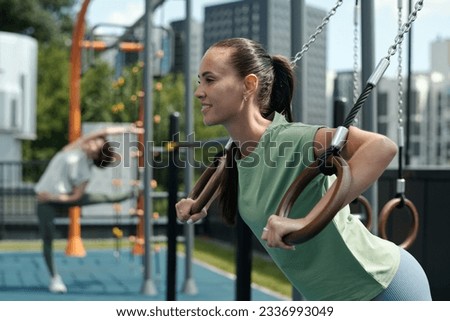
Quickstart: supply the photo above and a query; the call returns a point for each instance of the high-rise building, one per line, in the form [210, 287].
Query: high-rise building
[265, 21]
[425, 120]
[436, 115]
[392, 112]
[179, 33]
[439, 103]
[440, 57]
[269, 22]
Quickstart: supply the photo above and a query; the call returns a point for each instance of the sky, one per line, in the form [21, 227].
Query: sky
[432, 23]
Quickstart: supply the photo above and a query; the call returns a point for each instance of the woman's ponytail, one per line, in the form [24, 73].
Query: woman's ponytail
[283, 86]
[229, 186]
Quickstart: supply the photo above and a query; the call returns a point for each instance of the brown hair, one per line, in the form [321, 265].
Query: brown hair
[276, 84]
[106, 156]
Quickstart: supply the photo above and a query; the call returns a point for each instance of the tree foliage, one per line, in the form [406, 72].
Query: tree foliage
[45, 20]
[104, 97]
[168, 97]
[96, 97]
[52, 104]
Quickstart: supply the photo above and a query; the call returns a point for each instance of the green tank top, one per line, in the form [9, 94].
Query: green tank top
[344, 261]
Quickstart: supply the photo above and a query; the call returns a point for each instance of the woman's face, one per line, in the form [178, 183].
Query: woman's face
[93, 147]
[220, 90]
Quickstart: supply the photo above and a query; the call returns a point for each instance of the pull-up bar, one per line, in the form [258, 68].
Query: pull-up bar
[125, 46]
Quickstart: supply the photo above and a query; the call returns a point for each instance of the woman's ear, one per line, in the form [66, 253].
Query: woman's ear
[250, 84]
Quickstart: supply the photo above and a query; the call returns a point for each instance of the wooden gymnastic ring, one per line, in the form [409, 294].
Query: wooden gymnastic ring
[207, 185]
[387, 211]
[323, 212]
[367, 208]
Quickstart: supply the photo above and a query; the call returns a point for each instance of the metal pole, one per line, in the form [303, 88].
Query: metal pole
[189, 286]
[172, 188]
[298, 31]
[340, 106]
[408, 95]
[148, 286]
[243, 261]
[369, 119]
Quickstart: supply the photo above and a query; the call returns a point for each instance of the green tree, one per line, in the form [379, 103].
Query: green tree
[53, 100]
[168, 97]
[103, 98]
[52, 104]
[45, 20]
[127, 94]
[96, 94]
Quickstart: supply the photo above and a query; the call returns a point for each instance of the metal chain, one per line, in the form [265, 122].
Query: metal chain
[319, 29]
[404, 29]
[400, 135]
[399, 72]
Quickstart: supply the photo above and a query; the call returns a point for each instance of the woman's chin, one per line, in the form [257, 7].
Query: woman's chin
[208, 121]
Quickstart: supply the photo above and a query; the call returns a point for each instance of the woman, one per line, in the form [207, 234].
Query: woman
[249, 92]
[64, 184]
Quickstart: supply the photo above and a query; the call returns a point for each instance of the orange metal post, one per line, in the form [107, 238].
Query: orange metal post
[75, 245]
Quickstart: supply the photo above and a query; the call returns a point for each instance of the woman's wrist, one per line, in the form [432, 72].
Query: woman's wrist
[120, 130]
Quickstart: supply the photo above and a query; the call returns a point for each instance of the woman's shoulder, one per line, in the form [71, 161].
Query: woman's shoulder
[294, 130]
[72, 155]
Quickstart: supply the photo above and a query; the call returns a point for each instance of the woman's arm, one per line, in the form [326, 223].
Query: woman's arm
[76, 195]
[103, 132]
[367, 153]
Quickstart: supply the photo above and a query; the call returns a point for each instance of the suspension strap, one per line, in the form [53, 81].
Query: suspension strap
[372, 83]
[400, 136]
[383, 64]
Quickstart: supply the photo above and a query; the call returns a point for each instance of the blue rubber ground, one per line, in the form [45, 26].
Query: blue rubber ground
[101, 276]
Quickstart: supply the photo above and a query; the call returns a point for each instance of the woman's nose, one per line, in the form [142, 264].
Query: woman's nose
[199, 93]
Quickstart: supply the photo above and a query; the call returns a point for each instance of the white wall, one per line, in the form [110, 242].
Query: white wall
[18, 85]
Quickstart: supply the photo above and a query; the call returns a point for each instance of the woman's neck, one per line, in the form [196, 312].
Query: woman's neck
[247, 132]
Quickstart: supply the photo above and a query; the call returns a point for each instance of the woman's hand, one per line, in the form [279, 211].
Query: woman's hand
[133, 129]
[184, 207]
[278, 227]
[44, 197]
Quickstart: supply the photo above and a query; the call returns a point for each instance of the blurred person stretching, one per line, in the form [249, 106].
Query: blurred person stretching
[64, 182]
